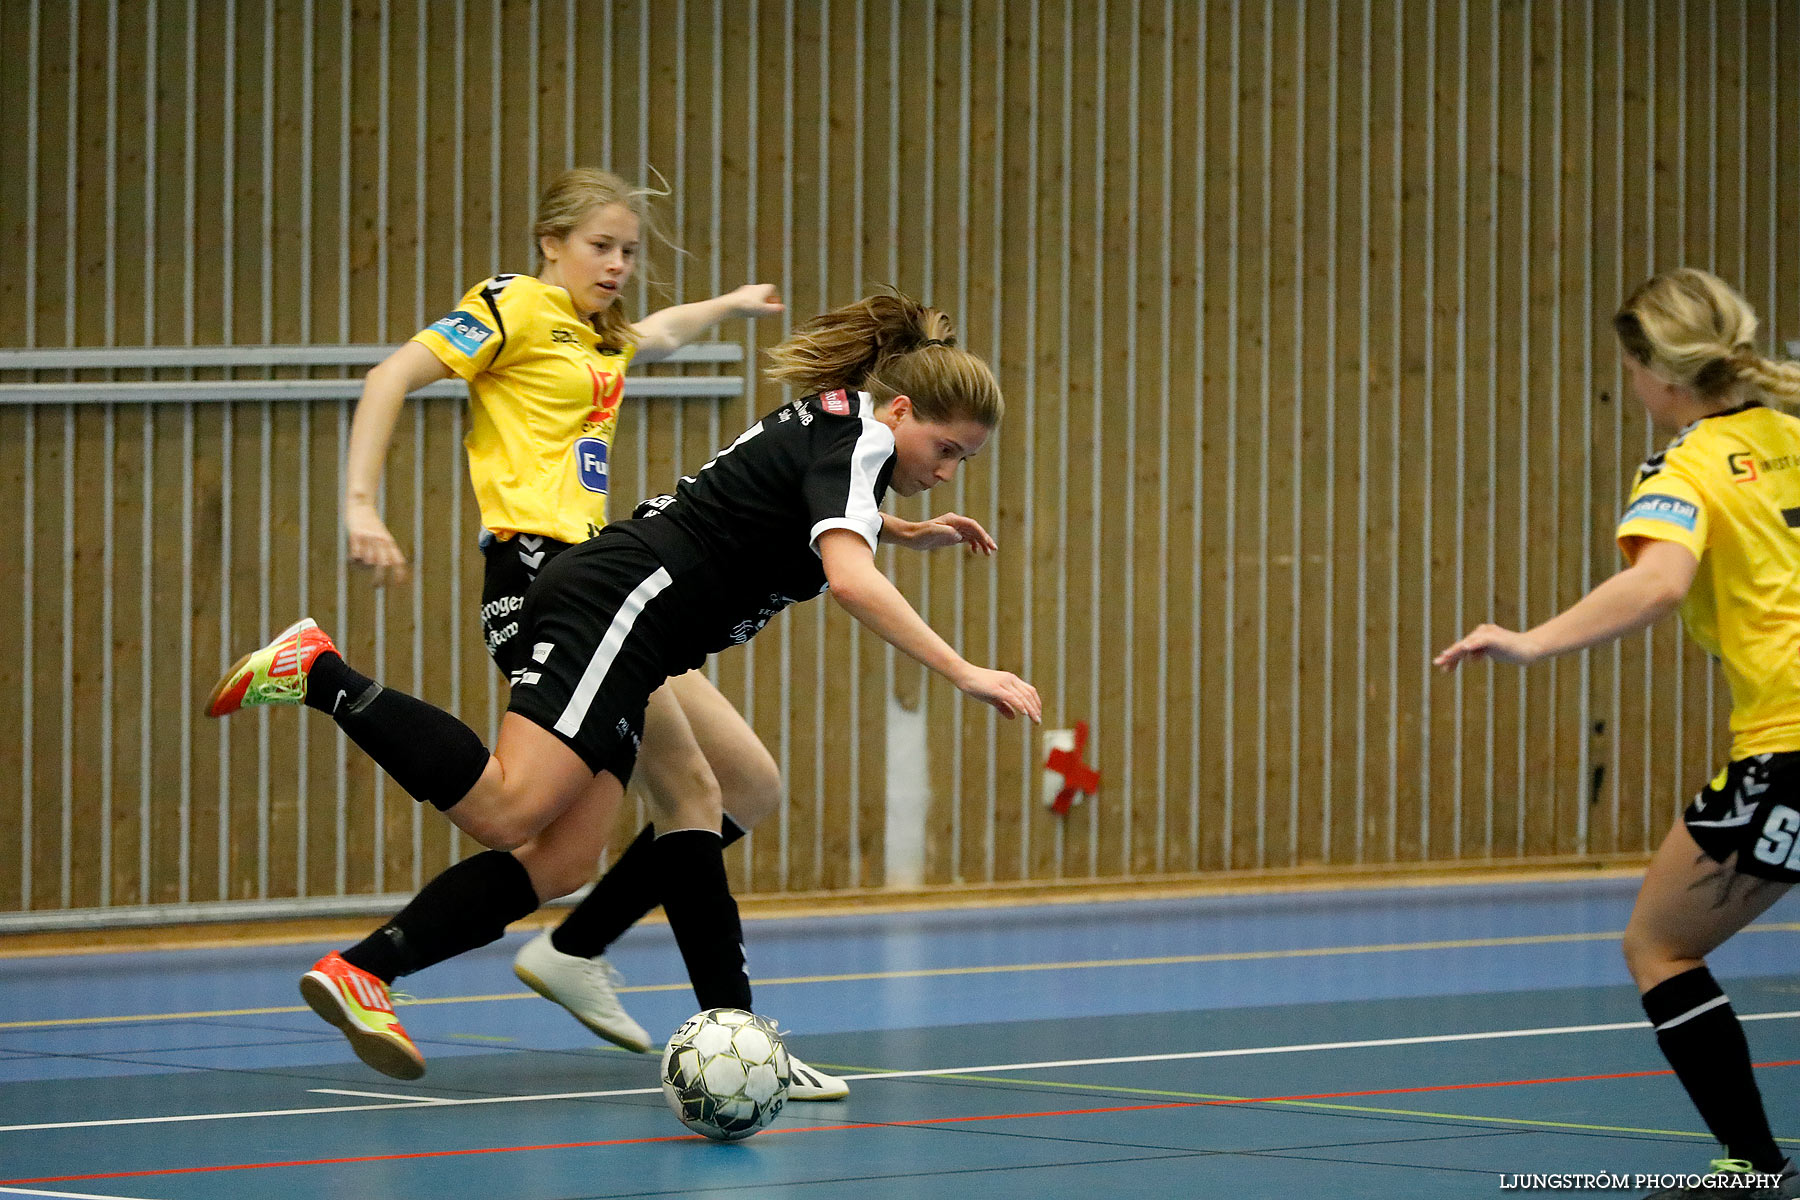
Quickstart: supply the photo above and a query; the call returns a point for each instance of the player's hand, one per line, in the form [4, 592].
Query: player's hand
[951, 529]
[372, 546]
[756, 300]
[1005, 691]
[1490, 642]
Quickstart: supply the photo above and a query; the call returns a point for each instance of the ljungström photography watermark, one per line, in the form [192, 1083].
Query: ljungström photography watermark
[1609, 1181]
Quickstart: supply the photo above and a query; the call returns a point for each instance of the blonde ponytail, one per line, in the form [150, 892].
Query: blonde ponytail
[1692, 328]
[1775, 378]
[890, 345]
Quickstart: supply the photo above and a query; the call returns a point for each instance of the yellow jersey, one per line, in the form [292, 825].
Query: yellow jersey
[1728, 488]
[544, 396]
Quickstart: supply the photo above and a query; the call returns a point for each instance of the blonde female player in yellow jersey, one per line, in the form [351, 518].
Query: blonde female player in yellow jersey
[545, 357]
[1712, 528]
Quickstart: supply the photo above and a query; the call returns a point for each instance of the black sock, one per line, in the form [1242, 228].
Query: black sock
[703, 916]
[627, 891]
[1703, 1041]
[430, 753]
[466, 907]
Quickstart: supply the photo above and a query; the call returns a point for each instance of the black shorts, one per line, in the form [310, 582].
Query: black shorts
[603, 626]
[510, 567]
[1752, 807]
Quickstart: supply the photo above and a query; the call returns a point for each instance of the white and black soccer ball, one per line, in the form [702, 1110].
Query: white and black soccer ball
[725, 1073]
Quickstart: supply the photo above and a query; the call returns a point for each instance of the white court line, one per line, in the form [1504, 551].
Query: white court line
[1373, 1042]
[433, 1102]
[336, 1108]
[378, 1095]
[70, 1195]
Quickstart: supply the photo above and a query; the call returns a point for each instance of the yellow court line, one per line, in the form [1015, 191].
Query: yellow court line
[1355, 1108]
[1403, 1112]
[1548, 939]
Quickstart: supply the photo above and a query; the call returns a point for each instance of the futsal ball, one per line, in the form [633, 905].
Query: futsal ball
[725, 1073]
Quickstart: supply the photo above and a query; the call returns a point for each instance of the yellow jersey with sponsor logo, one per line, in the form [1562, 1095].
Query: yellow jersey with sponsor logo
[1728, 488]
[544, 398]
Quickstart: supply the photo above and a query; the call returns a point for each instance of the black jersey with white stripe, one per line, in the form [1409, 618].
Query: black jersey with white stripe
[756, 511]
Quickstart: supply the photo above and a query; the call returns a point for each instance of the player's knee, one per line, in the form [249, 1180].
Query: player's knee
[497, 826]
[689, 794]
[755, 792]
[557, 875]
[1645, 956]
[495, 835]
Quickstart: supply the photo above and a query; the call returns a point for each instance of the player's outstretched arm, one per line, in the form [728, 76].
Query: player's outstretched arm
[870, 597]
[948, 529]
[667, 330]
[385, 388]
[1640, 595]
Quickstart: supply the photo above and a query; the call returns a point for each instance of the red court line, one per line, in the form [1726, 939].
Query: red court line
[1068, 1112]
[1459, 1087]
[690, 1137]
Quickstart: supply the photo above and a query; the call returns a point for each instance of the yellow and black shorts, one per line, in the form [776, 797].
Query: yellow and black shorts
[1752, 809]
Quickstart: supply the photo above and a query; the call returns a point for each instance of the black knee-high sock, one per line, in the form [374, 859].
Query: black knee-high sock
[704, 916]
[466, 907]
[430, 753]
[629, 889]
[1703, 1041]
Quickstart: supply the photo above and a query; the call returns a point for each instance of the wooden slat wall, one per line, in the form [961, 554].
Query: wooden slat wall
[1300, 306]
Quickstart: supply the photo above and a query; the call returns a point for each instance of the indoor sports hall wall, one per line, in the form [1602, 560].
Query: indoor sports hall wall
[1300, 306]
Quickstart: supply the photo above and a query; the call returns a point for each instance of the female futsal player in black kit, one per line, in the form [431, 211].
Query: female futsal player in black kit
[788, 509]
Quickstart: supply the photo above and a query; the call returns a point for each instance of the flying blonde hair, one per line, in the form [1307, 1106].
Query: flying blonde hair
[890, 345]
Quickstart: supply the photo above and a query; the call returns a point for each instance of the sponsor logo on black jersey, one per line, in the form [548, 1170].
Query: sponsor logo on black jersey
[652, 506]
[835, 402]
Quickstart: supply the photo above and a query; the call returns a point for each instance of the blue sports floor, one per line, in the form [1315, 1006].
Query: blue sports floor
[1398, 1042]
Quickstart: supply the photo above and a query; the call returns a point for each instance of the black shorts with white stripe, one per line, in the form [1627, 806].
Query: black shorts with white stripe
[1752, 809]
[604, 625]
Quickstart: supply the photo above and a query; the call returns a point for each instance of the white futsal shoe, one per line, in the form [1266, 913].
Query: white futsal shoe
[810, 1083]
[587, 987]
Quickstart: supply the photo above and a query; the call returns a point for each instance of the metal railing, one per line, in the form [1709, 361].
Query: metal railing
[173, 358]
[124, 817]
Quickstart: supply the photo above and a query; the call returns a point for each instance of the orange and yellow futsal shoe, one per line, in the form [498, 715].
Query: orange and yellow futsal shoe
[358, 1003]
[275, 674]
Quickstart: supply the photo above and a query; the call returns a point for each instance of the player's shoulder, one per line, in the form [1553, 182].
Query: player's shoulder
[502, 293]
[1726, 445]
[845, 421]
[829, 415]
[839, 402]
[1685, 453]
[509, 290]
[845, 410]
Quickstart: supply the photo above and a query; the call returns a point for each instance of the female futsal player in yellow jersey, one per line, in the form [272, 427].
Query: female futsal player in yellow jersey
[1712, 527]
